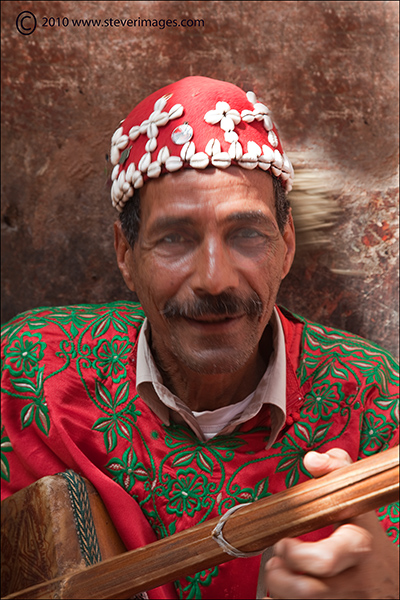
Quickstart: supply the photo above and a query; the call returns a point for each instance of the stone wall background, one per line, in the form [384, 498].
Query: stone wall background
[329, 72]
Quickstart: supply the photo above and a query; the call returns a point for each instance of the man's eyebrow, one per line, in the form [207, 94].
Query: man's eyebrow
[251, 216]
[166, 222]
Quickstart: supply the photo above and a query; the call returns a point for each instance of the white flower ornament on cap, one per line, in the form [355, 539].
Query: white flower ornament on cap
[219, 125]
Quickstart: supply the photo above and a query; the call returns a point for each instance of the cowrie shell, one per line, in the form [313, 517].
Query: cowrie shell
[163, 155]
[213, 147]
[117, 134]
[253, 149]
[152, 130]
[115, 172]
[247, 116]
[285, 176]
[251, 97]
[126, 187]
[144, 162]
[276, 171]
[137, 180]
[134, 132]
[212, 117]
[248, 161]
[160, 119]
[129, 172]
[154, 169]
[221, 160]
[160, 104]
[187, 151]
[222, 107]
[116, 190]
[176, 111]
[199, 160]
[227, 124]
[231, 136]
[235, 151]
[263, 165]
[261, 108]
[114, 155]
[121, 178]
[234, 115]
[273, 138]
[173, 163]
[268, 153]
[143, 126]
[267, 121]
[122, 142]
[151, 145]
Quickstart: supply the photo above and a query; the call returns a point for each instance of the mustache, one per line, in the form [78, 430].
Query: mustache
[224, 304]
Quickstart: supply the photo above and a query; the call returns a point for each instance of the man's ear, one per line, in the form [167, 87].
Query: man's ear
[124, 255]
[289, 238]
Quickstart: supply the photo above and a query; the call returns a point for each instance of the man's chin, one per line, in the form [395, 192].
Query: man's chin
[213, 361]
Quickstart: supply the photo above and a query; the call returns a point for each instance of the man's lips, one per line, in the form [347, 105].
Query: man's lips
[209, 321]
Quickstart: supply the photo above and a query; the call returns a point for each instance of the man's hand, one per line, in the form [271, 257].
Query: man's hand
[357, 561]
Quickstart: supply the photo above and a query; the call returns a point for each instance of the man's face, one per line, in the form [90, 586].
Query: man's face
[207, 266]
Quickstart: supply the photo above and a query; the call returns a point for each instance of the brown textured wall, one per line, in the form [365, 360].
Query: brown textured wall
[328, 71]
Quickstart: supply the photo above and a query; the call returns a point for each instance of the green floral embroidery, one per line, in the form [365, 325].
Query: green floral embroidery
[5, 447]
[111, 357]
[189, 448]
[128, 470]
[322, 401]
[247, 494]
[37, 409]
[119, 420]
[25, 353]
[204, 578]
[375, 433]
[113, 318]
[186, 492]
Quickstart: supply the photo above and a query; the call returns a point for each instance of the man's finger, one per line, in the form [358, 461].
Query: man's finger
[319, 464]
[347, 547]
[283, 583]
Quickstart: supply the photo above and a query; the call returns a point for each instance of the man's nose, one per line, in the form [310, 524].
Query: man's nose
[214, 271]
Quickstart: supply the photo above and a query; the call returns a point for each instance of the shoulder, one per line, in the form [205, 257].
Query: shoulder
[326, 349]
[41, 328]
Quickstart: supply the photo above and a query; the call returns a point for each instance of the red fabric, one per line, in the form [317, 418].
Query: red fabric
[57, 404]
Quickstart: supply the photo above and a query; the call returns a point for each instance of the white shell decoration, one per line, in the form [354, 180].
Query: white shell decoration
[176, 111]
[251, 97]
[221, 160]
[231, 136]
[248, 161]
[159, 119]
[173, 163]
[117, 134]
[114, 155]
[268, 153]
[122, 142]
[235, 151]
[121, 178]
[264, 165]
[247, 116]
[213, 147]
[199, 160]
[126, 187]
[276, 171]
[160, 104]
[260, 109]
[187, 151]
[134, 132]
[273, 139]
[154, 169]
[151, 145]
[115, 172]
[137, 180]
[163, 155]
[116, 191]
[144, 162]
[227, 124]
[253, 149]
[129, 172]
[268, 124]
[152, 130]
[182, 134]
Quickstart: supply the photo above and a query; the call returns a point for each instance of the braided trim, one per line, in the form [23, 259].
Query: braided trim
[86, 531]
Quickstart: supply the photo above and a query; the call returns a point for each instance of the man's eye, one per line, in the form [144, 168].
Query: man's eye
[248, 234]
[173, 238]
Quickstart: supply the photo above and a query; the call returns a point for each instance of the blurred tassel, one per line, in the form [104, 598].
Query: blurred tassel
[314, 202]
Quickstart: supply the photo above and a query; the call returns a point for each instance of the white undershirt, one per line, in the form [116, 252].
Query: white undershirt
[212, 422]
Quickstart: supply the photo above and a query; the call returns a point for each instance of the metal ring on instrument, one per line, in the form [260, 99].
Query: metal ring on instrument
[223, 543]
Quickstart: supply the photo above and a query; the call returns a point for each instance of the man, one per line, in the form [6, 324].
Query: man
[218, 397]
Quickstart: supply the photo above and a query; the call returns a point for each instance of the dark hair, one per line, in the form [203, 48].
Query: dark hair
[130, 215]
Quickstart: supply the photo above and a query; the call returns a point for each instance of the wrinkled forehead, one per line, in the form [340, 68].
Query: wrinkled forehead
[195, 123]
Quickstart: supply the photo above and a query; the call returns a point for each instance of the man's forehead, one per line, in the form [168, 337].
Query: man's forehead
[195, 124]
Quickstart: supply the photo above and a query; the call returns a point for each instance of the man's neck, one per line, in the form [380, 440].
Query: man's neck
[201, 391]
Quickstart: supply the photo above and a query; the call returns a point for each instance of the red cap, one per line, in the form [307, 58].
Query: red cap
[194, 123]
